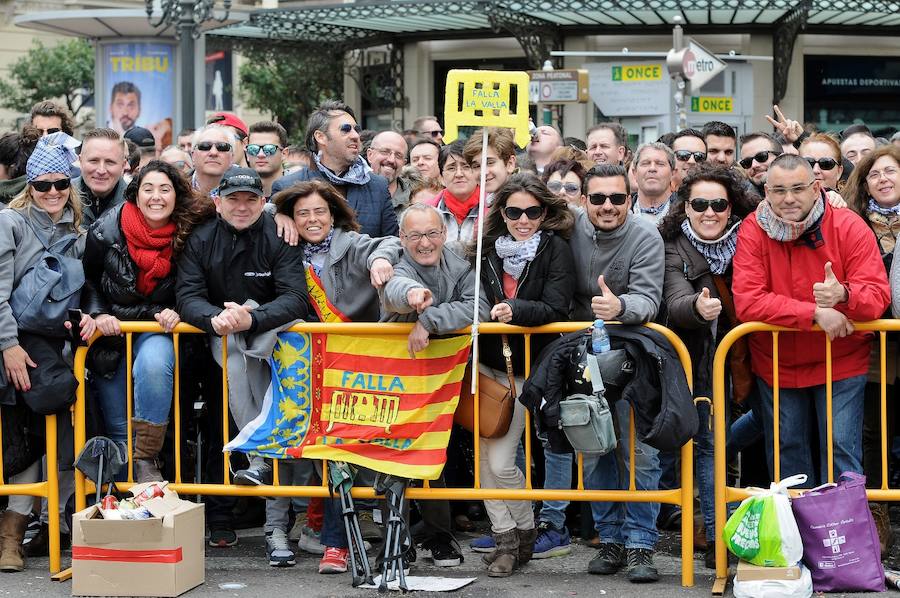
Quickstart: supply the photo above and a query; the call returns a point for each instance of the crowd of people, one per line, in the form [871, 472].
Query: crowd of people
[240, 234]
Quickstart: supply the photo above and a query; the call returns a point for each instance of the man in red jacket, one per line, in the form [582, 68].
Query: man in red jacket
[799, 262]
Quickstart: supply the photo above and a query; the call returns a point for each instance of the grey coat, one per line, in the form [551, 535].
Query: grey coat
[452, 284]
[19, 249]
[631, 259]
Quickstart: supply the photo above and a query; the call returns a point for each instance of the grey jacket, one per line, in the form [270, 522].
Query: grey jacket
[632, 261]
[452, 284]
[345, 275]
[19, 249]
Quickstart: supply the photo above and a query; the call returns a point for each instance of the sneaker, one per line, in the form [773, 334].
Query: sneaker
[443, 552]
[39, 543]
[297, 529]
[610, 558]
[258, 474]
[669, 517]
[309, 541]
[483, 544]
[367, 526]
[222, 537]
[278, 550]
[408, 559]
[551, 541]
[334, 560]
[640, 565]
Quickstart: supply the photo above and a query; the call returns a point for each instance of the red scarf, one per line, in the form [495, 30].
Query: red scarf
[459, 208]
[151, 249]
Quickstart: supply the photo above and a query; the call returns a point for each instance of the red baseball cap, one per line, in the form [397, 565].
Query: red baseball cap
[229, 120]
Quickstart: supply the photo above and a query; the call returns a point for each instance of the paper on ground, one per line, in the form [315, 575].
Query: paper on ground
[427, 584]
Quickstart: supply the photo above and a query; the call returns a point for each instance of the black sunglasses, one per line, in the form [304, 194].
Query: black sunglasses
[205, 146]
[347, 127]
[824, 163]
[700, 205]
[44, 186]
[685, 155]
[51, 130]
[436, 132]
[760, 157]
[617, 199]
[533, 213]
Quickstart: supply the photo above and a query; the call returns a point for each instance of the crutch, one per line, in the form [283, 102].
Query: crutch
[340, 477]
[397, 539]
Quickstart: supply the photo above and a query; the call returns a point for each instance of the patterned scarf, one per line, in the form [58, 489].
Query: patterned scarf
[718, 252]
[516, 254]
[783, 230]
[892, 211]
[151, 249]
[310, 250]
[359, 172]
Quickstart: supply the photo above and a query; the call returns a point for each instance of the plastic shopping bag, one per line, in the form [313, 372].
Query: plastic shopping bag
[763, 531]
[775, 588]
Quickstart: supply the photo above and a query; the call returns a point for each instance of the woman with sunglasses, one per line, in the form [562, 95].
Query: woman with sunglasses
[528, 279]
[564, 178]
[824, 155]
[130, 261]
[700, 236]
[46, 214]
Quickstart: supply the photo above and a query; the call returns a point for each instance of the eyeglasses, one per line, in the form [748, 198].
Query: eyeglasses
[700, 205]
[760, 157]
[874, 175]
[347, 127]
[306, 213]
[617, 199]
[385, 152]
[44, 186]
[781, 192]
[824, 163]
[179, 164]
[557, 186]
[269, 149]
[685, 155]
[458, 167]
[533, 212]
[433, 235]
[205, 146]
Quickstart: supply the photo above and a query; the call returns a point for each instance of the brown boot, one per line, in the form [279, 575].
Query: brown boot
[12, 532]
[148, 441]
[506, 557]
[881, 515]
[526, 544]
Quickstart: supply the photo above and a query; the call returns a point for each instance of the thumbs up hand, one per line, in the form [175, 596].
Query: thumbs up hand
[605, 306]
[830, 292]
[708, 307]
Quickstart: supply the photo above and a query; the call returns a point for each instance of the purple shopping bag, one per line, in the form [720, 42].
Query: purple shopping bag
[840, 542]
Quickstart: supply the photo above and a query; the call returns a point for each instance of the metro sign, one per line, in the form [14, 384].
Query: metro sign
[695, 63]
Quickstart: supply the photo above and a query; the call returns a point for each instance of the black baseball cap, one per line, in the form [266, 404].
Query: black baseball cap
[240, 179]
[141, 137]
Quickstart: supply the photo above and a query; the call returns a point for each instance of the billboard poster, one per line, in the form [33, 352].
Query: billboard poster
[140, 87]
[218, 81]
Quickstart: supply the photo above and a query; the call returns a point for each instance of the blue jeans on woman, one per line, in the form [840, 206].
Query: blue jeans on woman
[153, 378]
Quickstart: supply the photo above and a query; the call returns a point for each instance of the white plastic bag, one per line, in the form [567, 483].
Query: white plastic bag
[775, 588]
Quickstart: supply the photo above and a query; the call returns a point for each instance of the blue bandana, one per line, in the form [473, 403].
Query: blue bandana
[54, 153]
[874, 207]
[358, 173]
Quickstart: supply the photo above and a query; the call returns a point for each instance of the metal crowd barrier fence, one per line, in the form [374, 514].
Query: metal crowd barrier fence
[726, 494]
[682, 496]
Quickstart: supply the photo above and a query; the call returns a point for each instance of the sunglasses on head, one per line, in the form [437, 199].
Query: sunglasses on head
[719, 205]
[824, 163]
[617, 199]
[347, 127]
[44, 186]
[760, 157]
[533, 213]
[685, 155]
[269, 149]
[205, 146]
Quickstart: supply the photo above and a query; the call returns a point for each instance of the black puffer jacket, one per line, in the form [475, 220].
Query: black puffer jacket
[544, 296]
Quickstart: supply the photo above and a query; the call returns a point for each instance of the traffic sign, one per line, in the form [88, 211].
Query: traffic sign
[562, 86]
[695, 63]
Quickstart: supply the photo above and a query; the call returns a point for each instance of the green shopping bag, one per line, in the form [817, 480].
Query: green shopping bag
[762, 530]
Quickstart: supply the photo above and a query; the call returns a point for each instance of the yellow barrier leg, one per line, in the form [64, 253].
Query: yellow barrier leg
[52, 495]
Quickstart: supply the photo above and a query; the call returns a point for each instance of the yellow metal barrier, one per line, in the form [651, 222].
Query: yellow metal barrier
[682, 496]
[726, 494]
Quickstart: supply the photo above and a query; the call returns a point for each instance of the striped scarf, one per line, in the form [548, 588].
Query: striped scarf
[786, 231]
[718, 252]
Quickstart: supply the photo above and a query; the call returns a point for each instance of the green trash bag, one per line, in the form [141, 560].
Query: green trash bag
[762, 530]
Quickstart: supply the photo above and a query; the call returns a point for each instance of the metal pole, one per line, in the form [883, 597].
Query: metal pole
[680, 84]
[186, 27]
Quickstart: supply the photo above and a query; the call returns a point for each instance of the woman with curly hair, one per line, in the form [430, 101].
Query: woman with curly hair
[700, 235]
[130, 260]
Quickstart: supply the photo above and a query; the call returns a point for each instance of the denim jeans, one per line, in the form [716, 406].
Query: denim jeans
[632, 524]
[557, 476]
[704, 470]
[797, 406]
[153, 375]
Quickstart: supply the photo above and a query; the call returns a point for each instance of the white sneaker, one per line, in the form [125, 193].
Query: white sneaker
[309, 541]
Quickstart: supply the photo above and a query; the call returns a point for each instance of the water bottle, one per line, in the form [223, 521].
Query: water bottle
[599, 338]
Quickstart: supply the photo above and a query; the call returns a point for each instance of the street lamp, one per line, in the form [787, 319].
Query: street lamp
[187, 17]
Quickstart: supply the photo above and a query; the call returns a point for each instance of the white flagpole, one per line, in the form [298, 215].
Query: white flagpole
[478, 247]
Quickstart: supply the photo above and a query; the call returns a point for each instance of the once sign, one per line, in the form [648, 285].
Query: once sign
[712, 104]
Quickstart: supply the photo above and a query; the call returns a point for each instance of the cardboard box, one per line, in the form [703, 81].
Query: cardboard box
[749, 572]
[160, 556]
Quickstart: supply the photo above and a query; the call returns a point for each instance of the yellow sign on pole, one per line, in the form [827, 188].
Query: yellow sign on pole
[487, 99]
